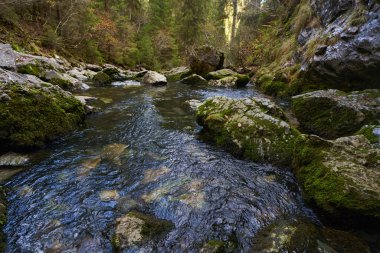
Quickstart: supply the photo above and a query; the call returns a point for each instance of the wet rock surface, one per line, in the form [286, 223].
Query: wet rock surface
[353, 62]
[194, 79]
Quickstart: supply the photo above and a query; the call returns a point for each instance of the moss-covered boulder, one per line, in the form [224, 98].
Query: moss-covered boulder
[228, 82]
[205, 60]
[33, 112]
[333, 113]
[341, 177]
[241, 80]
[194, 79]
[177, 74]
[101, 79]
[137, 228]
[253, 128]
[300, 235]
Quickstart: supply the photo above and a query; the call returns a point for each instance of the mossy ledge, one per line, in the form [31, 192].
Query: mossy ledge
[34, 114]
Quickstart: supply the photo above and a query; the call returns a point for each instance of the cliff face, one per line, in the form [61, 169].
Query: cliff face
[321, 44]
[346, 47]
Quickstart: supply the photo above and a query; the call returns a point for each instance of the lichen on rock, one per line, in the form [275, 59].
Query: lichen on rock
[254, 128]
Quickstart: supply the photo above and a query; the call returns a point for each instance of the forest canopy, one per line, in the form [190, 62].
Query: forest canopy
[156, 34]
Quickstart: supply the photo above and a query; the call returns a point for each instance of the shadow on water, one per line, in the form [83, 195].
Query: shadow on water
[142, 152]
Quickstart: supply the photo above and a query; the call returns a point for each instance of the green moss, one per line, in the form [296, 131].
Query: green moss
[152, 227]
[367, 131]
[324, 117]
[31, 69]
[325, 187]
[102, 78]
[63, 83]
[33, 117]
[242, 80]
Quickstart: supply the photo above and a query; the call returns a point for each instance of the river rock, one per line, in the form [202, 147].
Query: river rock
[194, 79]
[51, 111]
[341, 177]
[332, 113]
[64, 81]
[177, 74]
[13, 159]
[136, 228]
[229, 81]
[300, 235]
[241, 80]
[101, 79]
[255, 128]
[205, 60]
[81, 74]
[154, 78]
[93, 67]
[7, 57]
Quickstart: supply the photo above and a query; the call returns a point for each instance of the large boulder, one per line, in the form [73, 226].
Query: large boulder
[255, 128]
[333, 113]
[194, 79]
[136, 228]
[154, 78]
[300, 235]
[7, 57]
[346, 48]
[225, 75]
[205, 60]
[177, 74]
[341, 177]
[33, 112]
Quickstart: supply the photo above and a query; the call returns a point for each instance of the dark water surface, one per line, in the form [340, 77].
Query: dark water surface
[142, 150]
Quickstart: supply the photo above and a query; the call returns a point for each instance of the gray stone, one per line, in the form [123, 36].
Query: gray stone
[7, 57]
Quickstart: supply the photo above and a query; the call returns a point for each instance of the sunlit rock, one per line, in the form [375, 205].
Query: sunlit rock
[153, 174]
[109, 195]
[13, 159]
[136, 228]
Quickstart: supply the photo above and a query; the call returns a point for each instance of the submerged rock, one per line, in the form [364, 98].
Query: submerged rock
[154, 78]
[333, 113]
[254, 128]
[342, 176]
[205, 60]
[177, 74]
[137, 228]
[13, 159]
[51, 111]
[299, 235]
[194, 79]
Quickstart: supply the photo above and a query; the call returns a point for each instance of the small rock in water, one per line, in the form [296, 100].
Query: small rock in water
[106, 100]
[13, 159]
[153, 174]
[109, 195]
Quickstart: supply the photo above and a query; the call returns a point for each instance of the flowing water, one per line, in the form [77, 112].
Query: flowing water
[142, 152]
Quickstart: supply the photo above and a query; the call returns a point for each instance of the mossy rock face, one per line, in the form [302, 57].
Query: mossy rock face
[300, 235]
[31, 69]
[101, 79]
[137, 228]
[177, 74]
[229, 81]
[32, 114]
[241, 80]
[253, 128]
[341, 177]
[333, 113]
